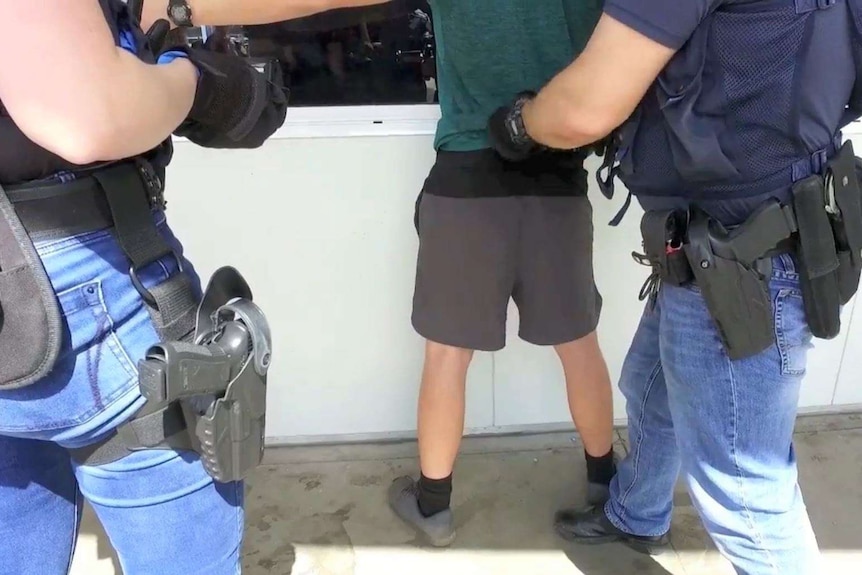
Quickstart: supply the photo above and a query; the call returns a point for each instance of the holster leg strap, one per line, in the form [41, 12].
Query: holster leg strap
[164, 428]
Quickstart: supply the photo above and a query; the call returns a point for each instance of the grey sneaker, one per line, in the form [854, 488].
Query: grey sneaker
[439, 529]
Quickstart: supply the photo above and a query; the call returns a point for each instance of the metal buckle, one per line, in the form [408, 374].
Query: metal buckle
[153, 184]
[143, 291]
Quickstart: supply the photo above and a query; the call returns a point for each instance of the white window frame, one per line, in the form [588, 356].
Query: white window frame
[359, 121]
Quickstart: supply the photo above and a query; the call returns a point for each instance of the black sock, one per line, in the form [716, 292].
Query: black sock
[434, 495]
[601, 469]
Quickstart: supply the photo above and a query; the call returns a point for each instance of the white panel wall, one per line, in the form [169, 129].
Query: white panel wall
[849, 388]
[323, 231]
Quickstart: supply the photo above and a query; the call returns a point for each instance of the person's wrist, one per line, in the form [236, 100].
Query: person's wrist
[528, 117]
[507, 131]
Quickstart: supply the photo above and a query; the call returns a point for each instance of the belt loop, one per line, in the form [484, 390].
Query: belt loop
[818, 161]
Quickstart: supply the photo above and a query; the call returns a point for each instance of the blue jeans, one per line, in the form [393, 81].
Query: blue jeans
[161, 510]
[726, 425]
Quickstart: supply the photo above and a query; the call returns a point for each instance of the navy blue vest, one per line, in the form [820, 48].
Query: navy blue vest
[22, 160]
[754, 101]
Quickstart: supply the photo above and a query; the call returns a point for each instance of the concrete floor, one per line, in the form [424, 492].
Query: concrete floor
[321, 511]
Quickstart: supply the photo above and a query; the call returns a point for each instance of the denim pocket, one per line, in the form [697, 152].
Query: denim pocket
[92, 371]
[792, 335]
[91, 327]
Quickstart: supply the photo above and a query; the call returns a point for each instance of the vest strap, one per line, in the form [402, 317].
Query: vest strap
[816, 162]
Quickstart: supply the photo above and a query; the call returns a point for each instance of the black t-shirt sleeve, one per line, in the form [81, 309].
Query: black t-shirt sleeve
[668, 22]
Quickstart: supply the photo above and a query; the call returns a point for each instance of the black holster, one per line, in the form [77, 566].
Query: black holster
[829, 217]
[731, 268]
[735, 289]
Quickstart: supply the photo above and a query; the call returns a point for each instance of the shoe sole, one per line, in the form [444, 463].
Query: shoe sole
[651, 549]
[439, 543]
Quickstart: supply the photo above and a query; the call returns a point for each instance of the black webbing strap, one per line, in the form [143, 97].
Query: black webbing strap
[131, 190]
[164, 428]
[127, 197]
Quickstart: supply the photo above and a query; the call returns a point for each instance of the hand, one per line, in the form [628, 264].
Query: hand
[235, 105]
[507, 131]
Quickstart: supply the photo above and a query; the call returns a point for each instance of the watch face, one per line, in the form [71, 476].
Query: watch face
[179, 13]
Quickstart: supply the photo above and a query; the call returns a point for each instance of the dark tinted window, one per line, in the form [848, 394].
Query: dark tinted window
[377, 55]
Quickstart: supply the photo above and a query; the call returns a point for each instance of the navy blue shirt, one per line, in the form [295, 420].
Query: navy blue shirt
[668, 22]
[763, 102]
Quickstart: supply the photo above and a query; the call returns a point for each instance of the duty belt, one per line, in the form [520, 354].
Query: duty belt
[822, 228]
[122, 197]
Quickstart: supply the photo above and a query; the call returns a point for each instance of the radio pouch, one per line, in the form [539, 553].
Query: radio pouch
[818, 258]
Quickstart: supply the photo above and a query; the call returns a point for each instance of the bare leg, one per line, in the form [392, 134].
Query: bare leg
[441, 408]
[588, 386]
[424, 504]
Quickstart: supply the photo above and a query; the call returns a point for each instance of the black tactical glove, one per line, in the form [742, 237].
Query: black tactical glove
[235, 106]
[507, 133]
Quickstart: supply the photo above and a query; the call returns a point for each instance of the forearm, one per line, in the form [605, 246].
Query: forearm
[250, 12]
[599, 90]
[566, 114]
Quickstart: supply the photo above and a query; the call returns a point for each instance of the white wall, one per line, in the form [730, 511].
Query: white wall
[323, 231]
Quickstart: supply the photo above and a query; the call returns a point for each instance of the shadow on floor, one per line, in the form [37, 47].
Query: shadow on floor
[316, 517]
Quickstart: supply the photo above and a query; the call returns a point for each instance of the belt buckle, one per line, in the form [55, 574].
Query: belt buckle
[153, 184]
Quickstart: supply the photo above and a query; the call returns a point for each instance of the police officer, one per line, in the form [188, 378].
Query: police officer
[729, 136]
[94, 288]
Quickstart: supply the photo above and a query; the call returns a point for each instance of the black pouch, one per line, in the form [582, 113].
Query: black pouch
[30, 323]
[844, 206]
[818, 258]
[736, 293]
[663, 233]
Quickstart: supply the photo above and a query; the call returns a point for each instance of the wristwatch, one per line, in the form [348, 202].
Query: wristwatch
[515, 120]
[180, 13]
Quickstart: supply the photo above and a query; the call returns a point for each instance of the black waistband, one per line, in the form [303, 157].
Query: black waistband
[61, 209]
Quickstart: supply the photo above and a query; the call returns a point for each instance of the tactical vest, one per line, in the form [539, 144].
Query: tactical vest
[753, 102]
[22, 160]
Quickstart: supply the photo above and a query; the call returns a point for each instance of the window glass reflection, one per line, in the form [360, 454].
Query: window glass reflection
[376, 55]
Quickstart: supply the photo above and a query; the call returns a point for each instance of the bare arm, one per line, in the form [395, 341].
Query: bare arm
[599, 90]
[73, 92]
[249, 12]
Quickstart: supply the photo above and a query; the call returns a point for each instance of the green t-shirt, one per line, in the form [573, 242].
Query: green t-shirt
[490, 50]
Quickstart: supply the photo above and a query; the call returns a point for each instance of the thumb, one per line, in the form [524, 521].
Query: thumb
[157, 34]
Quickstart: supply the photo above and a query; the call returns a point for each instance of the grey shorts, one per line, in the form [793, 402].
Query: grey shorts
[475, 253]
